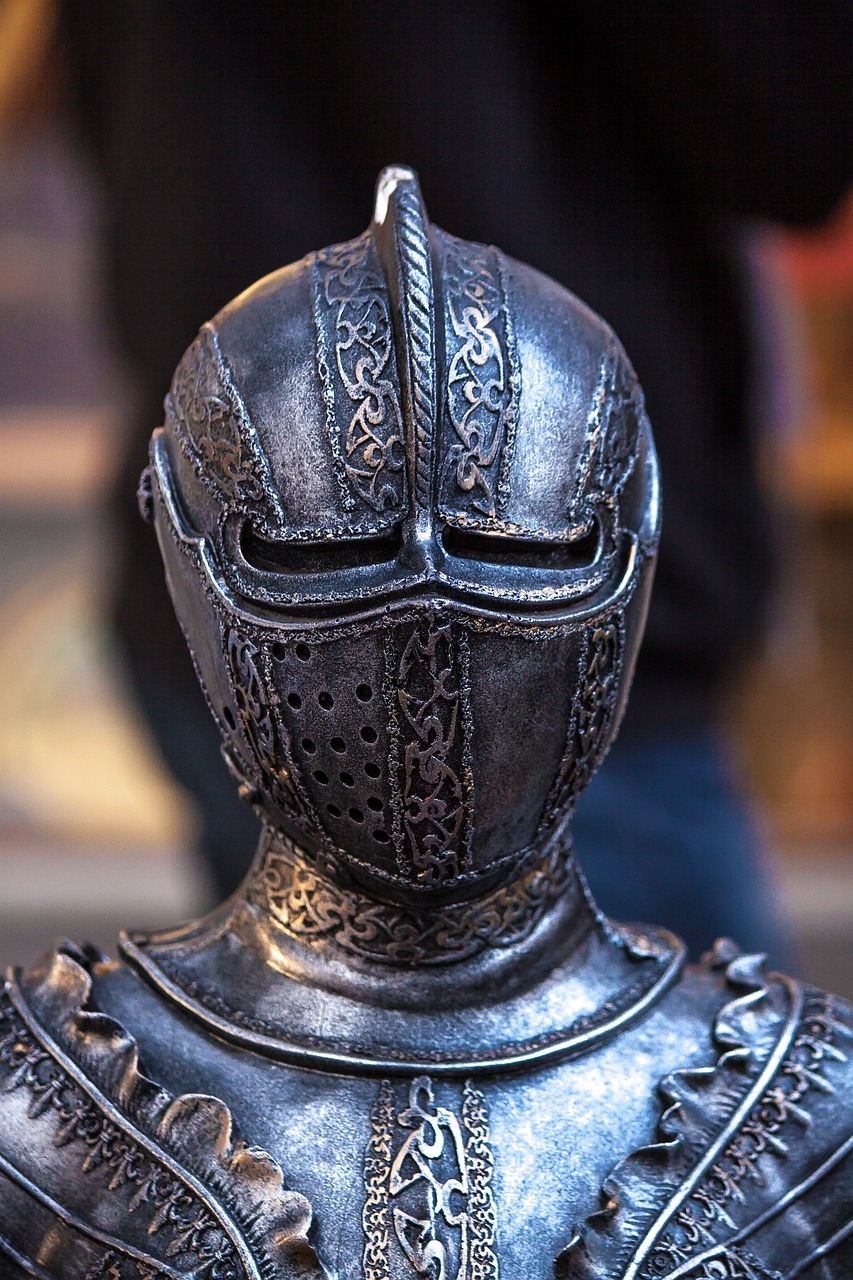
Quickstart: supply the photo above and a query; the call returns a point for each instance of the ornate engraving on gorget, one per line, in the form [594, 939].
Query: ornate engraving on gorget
[312, 907]
[429, 1209]
[356, 364]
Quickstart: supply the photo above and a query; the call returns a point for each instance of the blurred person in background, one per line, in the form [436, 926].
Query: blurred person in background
[621, 148]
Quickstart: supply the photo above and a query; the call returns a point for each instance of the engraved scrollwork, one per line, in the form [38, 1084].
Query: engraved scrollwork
[772, 1124]
[151, 1178]
[428, 1196]
[263, 732]
[612, 438]
[214, 427]
[433, 777]
[311, 907]
[190, 1234]
[480, 399]
[592, 719]
[353, 322]
[377, 1162]
[481, 1164]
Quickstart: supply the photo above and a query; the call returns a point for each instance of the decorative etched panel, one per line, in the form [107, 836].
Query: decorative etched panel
[311, 907]
[181, 1227]
[260, 721]
[429, 1209]
[427, 678]
[775, 1124]
[104, 1173]
[612, 438]
[593, 715]
[481, 391]
[215, 431]
[355, 354]
[751, 1154]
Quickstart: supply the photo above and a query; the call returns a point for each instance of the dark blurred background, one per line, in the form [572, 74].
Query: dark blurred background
[93, 833]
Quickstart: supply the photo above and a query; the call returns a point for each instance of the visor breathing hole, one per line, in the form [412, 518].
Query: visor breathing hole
[374, 803]
[372, 770]
[338, 744]
[347, 779]
[368, 734]
[356, 815]
[321, 777]
[325, 700]
[381, 837]
[364, 692]
[294, 700]
[302, 652]
[309, 746]
[333, 810]
[278, 651]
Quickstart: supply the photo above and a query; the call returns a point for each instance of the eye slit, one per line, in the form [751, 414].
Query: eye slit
[268, 556]
[492, 548]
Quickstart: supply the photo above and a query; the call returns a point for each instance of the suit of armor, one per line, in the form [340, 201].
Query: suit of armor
[407, 498]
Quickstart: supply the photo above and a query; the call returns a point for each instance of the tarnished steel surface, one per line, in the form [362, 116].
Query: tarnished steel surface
[407, 498]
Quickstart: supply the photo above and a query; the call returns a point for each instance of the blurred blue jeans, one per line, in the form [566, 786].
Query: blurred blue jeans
[665, 837]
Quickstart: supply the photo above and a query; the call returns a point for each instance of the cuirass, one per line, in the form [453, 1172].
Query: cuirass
[679, 1121]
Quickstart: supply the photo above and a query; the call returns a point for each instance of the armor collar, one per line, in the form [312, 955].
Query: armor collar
[304, 970]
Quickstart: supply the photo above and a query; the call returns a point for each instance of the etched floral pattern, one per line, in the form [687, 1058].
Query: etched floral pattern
[429, 1208]
[213, 425]
[356, 364]
[480, 401]
[433, 778]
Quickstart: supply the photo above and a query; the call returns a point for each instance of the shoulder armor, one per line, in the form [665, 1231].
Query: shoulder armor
[752, 1175]
[104, 1175]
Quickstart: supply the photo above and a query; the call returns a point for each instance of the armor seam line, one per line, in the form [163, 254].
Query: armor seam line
[838, 1237]
[560, 1045]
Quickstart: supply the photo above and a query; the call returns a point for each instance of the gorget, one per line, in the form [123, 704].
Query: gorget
[319, 958]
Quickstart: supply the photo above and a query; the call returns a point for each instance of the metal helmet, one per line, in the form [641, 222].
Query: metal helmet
[407, 498]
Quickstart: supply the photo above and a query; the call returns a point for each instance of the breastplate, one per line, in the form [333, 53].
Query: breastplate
[636, 1118]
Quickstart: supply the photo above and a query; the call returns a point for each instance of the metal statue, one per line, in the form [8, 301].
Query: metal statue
[407, 498]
